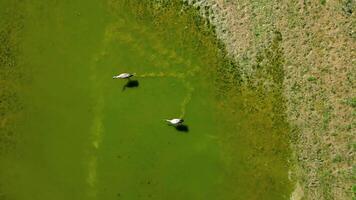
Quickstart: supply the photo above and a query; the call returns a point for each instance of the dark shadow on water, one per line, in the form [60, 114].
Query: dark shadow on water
[182, 128]
[131, 84]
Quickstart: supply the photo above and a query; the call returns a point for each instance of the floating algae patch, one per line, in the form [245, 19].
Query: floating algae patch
[88, 136]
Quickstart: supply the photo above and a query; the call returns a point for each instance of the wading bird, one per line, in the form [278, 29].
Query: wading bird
[175, 122]
[123, 76]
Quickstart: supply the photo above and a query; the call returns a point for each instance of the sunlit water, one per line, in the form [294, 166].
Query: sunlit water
[84, 135]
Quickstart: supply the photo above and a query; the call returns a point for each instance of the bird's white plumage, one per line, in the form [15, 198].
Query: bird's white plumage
[175, 121]
[123, 76]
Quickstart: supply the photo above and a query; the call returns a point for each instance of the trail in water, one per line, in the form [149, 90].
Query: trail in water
[97, 128]
[187, 98]
[161, 75]
[183, 77]
[155, 52]
[96, 138]
[163, 56]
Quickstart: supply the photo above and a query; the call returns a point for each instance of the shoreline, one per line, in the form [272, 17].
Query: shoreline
[301, 50]
[319, 80]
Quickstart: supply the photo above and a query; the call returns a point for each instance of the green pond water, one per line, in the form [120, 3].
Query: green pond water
[79, 134]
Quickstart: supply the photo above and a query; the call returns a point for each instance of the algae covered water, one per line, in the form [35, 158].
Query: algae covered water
[79, 134]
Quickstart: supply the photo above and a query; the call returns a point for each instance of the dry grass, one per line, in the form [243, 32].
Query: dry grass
[318, 47]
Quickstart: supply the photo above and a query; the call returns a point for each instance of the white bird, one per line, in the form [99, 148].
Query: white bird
[123, 76]
[175, 122]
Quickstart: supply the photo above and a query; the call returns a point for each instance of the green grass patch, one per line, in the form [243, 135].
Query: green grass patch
[351, 102]
[337, 159]
[312, 79]
[326, 118]
[348, 7]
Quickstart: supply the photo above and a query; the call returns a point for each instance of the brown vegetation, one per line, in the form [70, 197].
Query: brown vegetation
[317, 43]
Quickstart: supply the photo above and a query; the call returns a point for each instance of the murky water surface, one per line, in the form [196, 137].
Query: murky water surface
[79, 134]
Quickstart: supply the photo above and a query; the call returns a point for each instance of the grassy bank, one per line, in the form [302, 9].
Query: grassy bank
[253, 139]
[316, 40]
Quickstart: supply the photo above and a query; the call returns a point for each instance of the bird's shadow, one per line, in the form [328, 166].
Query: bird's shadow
[131, 84]
[182, 128]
